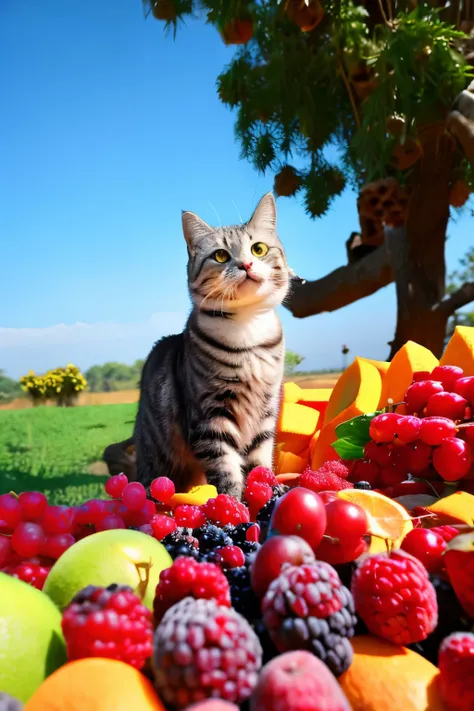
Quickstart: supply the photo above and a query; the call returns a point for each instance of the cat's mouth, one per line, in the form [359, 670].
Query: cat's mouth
[251, 276]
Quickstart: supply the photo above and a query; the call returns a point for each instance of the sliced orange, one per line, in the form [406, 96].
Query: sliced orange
[389, 521]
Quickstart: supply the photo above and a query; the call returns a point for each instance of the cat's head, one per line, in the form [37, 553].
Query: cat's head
[235, 267]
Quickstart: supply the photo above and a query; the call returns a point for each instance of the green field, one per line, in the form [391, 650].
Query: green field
[53, 449]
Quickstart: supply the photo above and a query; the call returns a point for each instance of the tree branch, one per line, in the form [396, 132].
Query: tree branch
[342, 286]
[463, 296]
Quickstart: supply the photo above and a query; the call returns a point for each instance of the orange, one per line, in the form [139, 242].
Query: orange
[95, 685]
[389, 521]
[385, 677]
[408, 360]
[460, 350]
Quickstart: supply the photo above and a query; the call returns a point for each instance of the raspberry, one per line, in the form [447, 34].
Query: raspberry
[334, 466]
[188, 578]
[257, 494]
[446, 532]
[189, 516]
[321, 480]
[203, 650]
[225, 509]
[162, 526]
[262, 475]
[307, 607]
[394, 597]
[108, 622]
[456, 666]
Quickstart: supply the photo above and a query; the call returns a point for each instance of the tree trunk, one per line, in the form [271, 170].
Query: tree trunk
[417, 251]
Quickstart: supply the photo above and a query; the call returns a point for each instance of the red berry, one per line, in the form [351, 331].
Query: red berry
[395, 598]
[416, 457]
[408, 428]
[427, 546]
[134, 496]
[335, 467]
[31, 573]
[5, 550]
[58, 519]
[10, 512]
[162, 489]
[33, 505]
[274, 553]
[390, 476]
[456, 671]
[188, 578]
[435, 429]
[146, 528]
[108, 622]
[450, 405]
[447, 375]
[384, 427]
[299, 512]
[418, 394]
[262, 475]
[452, 459]
[322, 480]
[230, 557]
[115, 485]
[257, 494]
[189, 516]
[252, 534]
[365, 471]
[340, 553]
[225, 510]
[421, 375]
[465, 388]
[378, 453]
[162, 525]
[446, 532]
[110, 523]
[28, 539]
[346, 525]
[54, 546]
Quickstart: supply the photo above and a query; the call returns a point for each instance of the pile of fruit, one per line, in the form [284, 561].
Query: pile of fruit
[346, 585]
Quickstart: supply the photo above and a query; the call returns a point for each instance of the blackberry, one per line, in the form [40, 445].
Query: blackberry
[264, 516]
[363, 485]
[179, 548]
[243, 597]
[238, 533]
[210, 537]
[8, 703]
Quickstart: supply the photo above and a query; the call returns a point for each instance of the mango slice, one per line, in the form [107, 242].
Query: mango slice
[381, 365]
[357, 391]
[291, 392]
[408, 360]
[460, 350]
[289, 463]
[456, 508]
[198, 495]
[296, 425]
[317, 398]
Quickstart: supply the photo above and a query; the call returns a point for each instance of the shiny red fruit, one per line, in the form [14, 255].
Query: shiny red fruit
[427, 546]
[383, 427]
[418, 394]
[276, 551]
[339, 553]
[299, 512]
[465, 388]
[448, 375]
[450, 405]
[452, 459]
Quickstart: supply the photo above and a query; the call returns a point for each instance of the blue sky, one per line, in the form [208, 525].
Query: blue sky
[108, 129]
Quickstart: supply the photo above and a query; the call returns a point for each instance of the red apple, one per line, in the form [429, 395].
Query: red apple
[300, 512]
[272, 555]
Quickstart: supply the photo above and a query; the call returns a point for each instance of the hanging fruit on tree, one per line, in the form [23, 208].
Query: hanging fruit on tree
[164, 10]
[384, 201]
[238, 31]
[362, 79]
[307, 14]
[459, 193]
[287, 181]
[406, 154]
[395, 125]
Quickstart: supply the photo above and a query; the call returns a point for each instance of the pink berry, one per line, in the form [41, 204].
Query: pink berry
[58, 519]
[465, 388]
[5, 550]
[449, 405]
[452, 459]
[10, 512]
[189, 516]
[110, 523]
[408, 428]
[447, 375]
[33, 504]
[263, 475]
[421, 375]
[384, 427]
[417, 457]
[427, 546]
[257, 494]
[435, 429]
[115, 485]
[162, 489]
[28, 539]
[162, 526]
[418, 394]
[134, 496]
[54, 546]
[230, 557]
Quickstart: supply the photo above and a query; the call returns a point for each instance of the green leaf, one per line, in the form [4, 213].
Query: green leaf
[357, 428]
[348, 448]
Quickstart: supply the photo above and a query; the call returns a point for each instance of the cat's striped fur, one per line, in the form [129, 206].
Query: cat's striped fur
[209, 397]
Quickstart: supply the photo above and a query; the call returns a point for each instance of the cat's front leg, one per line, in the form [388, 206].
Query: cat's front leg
[217, 450]
[260, 451]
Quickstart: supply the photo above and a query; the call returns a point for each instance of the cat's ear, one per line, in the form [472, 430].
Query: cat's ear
[194, 229]
[264, 217]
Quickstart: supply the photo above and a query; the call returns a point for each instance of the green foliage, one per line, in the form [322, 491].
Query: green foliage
[9, 388]
[51, 450]
[292, 361]
[114, 376]
[297, 93]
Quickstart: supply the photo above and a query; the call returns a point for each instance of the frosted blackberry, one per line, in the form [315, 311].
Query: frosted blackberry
[8, 703]
[211, 537]
[181, 542]
[264, 516]
[364, 485]
[243, 597]
[268, 648]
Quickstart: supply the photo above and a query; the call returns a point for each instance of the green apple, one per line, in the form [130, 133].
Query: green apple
[119, 556]
[32, 644]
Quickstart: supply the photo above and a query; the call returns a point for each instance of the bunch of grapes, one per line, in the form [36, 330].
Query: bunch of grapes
[432, 442]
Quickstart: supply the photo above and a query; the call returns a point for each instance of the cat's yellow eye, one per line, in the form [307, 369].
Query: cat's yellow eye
[221, 256]
[259, 249]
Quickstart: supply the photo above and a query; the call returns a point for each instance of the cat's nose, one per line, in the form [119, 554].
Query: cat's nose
[246, 265]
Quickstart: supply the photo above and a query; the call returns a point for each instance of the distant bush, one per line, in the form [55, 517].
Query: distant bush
[9, 388]
[61, 384]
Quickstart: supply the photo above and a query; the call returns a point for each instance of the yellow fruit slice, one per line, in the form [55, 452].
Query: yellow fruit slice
[197, 496]
[460, 350]
[381, 365]
[457, 508]
[408, 360]
[291, 392]
[289, 463]
[296, 425]
[356, 392]
[317, 398]
[389, 521]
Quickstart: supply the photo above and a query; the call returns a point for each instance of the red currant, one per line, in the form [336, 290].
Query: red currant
[435, 429]
[365, 471]
[10, 512]
[134, 496]
[299, 512]
[427, 546]
[28, 539]
[384, 427]
[5, 550]
[337, 553]
[162, 526]
[421, 375]
[115, 485]
[452, 459]
[162, 489]
[33, 505]
[408, 428]
[447, 375]
[418, 394]
[416, 457]
[54, 546]
[378, 453]
[230, 557]
[465, 388]
[390, 476]
[345, 521]
[110, 523]
[58, 519]
[450, 405]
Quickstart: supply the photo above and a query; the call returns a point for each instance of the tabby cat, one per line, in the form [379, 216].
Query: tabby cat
[209, 397]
